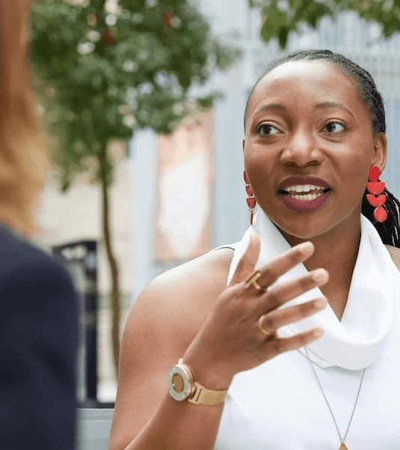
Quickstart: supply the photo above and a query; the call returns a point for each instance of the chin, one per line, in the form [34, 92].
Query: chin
[311, 227]
[303, 229]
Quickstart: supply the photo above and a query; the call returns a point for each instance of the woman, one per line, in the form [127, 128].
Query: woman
[300, 351]
[38, 320]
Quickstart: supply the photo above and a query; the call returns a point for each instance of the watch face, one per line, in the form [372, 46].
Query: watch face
[180, 383]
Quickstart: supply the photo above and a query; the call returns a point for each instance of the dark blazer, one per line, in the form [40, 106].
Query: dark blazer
[38, 346]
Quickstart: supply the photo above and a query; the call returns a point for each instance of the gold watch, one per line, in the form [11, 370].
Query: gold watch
[183, 387]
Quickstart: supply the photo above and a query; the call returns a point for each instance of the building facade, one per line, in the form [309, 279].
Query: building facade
[211, 209]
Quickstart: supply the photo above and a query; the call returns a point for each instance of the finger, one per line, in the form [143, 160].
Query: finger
[269, 323]
[247, 262]
[281, 294]
[283, 263]
[286, 344]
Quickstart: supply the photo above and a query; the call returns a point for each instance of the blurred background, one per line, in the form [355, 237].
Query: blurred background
[143, 104]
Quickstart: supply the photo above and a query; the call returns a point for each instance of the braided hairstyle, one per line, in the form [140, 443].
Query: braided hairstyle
[389, 230]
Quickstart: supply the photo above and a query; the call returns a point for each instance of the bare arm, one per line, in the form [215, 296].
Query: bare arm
[159, 329]
[188, 312]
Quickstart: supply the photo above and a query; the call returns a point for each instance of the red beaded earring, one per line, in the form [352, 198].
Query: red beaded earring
[251, 200]
[376, 196]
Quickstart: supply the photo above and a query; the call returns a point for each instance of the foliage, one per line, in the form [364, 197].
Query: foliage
[281, 17]
[106, 68]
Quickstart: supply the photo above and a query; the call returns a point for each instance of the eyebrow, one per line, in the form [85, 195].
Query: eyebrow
[269, 107]
[327, 105]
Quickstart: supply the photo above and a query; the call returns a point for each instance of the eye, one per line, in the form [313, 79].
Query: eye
[334, 127]
[266, 129]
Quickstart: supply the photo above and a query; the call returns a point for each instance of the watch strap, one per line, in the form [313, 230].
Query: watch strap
[204, 396]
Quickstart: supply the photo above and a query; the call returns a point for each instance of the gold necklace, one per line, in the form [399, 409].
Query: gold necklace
[343, 445]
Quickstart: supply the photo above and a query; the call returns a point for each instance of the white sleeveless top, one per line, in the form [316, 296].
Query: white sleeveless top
[279, 405]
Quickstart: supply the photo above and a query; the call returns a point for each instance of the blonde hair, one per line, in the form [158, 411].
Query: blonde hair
[23, 160]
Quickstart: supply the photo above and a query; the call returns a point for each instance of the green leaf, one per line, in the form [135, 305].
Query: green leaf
[283, 37]
[280, 18]
[101, 77]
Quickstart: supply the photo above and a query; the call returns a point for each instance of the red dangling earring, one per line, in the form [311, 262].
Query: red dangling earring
[376, 196]
[251, 200]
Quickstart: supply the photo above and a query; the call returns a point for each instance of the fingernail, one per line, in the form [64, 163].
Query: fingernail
[319, 275]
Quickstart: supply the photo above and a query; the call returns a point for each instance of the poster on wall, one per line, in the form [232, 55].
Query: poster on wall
[184, 190]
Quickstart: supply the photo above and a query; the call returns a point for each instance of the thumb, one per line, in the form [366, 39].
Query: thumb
[248, 260]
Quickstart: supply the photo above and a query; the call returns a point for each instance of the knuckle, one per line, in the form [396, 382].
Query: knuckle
[273, 296]
[295, 255]
[286, 345]
[269, 274]
[268, 323]
[306, 283]
[306, 308]
[304, 339]
[276, 347]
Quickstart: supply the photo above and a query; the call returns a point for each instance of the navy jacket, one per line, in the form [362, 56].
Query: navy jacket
[38, 346]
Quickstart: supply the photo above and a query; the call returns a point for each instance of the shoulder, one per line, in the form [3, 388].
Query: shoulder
[208, 273]
[26, 269]
[16, 251]
[176, 303]
[395, 254]
[191, 285]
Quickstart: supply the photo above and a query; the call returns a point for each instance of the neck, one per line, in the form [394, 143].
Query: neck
[370, 304]
[335, 251]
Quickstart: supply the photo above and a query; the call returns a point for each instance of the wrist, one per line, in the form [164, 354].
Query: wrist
[207, 373]
[184, 386]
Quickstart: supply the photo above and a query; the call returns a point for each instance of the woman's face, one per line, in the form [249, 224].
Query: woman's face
[308, 148]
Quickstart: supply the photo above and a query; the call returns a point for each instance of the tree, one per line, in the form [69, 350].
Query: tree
[106, 68]
[279, 18]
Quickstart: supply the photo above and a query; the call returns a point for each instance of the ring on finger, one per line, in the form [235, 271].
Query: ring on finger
[252, 281]
[261, 328]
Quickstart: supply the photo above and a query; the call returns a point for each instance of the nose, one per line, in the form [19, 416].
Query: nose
[302, 150]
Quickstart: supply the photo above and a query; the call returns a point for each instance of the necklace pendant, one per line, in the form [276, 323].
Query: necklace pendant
[343, 446]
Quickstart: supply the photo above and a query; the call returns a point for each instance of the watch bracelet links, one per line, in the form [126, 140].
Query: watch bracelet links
[202, 395]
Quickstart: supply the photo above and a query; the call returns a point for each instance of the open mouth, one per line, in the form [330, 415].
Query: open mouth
[304, 192]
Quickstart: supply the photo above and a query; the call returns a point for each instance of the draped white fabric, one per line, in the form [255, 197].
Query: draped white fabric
[354, 342]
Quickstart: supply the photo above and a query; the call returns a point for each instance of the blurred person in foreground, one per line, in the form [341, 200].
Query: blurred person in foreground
[38, 304]
[289, 340]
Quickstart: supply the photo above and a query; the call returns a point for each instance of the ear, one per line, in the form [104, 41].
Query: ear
[380, 151]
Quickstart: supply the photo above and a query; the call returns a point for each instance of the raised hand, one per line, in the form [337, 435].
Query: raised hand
[241, 331]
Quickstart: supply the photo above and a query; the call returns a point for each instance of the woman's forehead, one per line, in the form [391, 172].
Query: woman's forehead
[314, 73]
[316, 80]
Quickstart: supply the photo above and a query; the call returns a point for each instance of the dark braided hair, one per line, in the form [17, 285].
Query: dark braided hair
[389, 230]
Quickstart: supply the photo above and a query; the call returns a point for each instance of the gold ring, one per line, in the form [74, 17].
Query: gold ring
[261, 328]
[252, 281]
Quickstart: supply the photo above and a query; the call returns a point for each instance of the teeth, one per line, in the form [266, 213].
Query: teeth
[306, 197]
[303, 188]
[305, 192]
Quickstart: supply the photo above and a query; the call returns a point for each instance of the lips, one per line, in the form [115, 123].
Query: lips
[304, 193]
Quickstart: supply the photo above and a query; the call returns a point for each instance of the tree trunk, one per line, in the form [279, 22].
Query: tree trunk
[112, 262]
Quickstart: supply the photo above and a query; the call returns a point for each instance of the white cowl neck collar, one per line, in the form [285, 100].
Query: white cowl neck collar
[353, 342]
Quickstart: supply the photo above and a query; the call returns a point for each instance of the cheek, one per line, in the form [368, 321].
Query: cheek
[359, 163]
[259, 161]
[356, 157]
[353, 173]
[260, 173]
